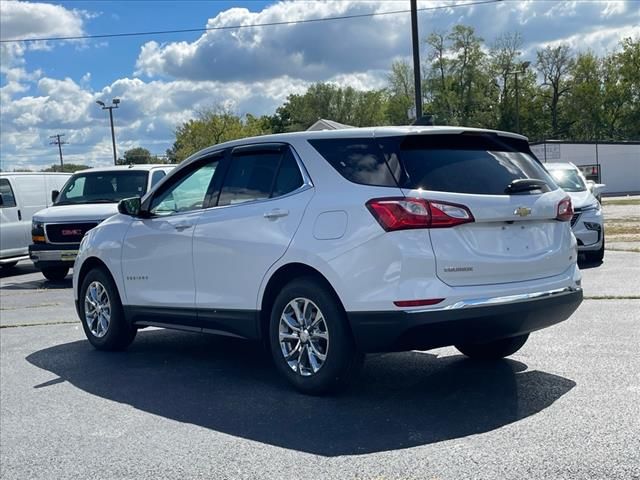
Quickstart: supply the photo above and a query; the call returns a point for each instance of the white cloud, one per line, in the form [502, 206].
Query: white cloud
[250, 70]
[35, 20]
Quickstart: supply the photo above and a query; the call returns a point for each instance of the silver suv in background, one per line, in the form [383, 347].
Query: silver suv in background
[88, 198]
[21, 195]
[587, 222]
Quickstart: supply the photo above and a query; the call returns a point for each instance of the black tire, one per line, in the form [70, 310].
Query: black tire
[597, 256]
[55, 274]
[119, 333]
[343, 361]
[493, 350]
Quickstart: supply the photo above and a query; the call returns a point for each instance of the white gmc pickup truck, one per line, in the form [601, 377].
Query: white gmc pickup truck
[88, 198]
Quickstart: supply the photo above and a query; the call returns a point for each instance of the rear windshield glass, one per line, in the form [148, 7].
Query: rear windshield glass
[475, 164]
[103, 187]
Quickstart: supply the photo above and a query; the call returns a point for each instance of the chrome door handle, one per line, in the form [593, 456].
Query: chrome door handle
[182, 226]
[276, 213]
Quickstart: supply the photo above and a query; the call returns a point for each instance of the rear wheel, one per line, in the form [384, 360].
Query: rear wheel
[493, 350]
[55, 273]
[102, 314]
[310, 340]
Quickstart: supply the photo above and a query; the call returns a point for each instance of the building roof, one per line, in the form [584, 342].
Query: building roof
[323, 124]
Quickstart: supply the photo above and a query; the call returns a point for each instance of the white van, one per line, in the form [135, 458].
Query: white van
[21, 195]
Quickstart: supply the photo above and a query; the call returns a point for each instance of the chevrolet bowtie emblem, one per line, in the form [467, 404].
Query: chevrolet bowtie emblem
[522, 211]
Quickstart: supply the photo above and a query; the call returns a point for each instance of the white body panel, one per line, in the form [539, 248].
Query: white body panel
[158, 253]
[234, 245]
[32, 192]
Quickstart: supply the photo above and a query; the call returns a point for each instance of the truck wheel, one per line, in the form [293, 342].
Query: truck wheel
[102, 314]
[493, 350]
[310, 340]
[55, 274]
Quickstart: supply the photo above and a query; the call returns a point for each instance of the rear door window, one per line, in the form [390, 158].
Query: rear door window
[256, 174]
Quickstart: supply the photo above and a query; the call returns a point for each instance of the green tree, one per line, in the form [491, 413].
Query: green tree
[67, 167]
[400, 93]
[138, 155]
[326, 100]
[555, 65]
[212, 127]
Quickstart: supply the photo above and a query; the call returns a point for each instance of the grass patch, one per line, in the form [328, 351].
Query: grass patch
[623, 249]
[621, 201]
[622, 229]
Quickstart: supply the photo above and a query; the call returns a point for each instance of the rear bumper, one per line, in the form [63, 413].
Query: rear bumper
[473, 321]
[44, 255]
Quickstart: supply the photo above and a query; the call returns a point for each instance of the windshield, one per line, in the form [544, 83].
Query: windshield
[103, 187]
[568, 180]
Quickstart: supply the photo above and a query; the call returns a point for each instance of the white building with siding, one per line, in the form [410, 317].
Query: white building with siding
[616, 164]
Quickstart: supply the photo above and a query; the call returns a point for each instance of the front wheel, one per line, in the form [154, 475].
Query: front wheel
[102, 314]
[597, 256]
[493, 350]
[55, 274]
[310, 339]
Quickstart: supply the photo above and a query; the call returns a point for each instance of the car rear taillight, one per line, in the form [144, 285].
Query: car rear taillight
[565, 210]
[401, 213]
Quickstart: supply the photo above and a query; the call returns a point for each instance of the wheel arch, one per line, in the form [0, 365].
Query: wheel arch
[88, 265]
[282, 276]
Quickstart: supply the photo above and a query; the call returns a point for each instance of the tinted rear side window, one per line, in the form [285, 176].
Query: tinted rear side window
[359, 160]
[289, 177]
[250, 177]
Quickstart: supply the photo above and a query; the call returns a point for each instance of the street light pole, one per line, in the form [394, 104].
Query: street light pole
[416, 58]
[114, 104]
[523, 69]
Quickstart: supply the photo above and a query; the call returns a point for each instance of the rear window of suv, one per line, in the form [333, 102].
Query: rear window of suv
[475, 164]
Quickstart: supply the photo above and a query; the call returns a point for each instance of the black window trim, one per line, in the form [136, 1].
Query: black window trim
[266, 147]
[13, 195]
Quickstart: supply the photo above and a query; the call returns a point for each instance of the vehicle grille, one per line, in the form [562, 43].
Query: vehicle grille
[68, 232]
[574, 219]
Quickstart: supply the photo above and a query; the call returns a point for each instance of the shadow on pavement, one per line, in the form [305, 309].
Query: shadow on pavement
[22, 268]
[401, 400]
[42, 283]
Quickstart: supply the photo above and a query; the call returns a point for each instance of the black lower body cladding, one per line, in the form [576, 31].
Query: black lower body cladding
[401, 330]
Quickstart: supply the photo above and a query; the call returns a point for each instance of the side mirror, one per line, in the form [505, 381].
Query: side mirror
[130, 206]
[1, 200]
[54, 195]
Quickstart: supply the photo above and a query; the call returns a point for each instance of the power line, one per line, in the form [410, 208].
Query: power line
[238, 27]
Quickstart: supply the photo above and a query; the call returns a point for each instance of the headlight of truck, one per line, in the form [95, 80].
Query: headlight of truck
[37, 232]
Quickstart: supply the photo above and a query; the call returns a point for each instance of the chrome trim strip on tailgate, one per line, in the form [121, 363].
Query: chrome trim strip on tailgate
[482, 302]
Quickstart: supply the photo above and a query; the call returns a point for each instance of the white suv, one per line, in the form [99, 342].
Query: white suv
[587, 222]
[328, 245]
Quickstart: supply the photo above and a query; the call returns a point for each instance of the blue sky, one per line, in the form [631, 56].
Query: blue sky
[164, 80]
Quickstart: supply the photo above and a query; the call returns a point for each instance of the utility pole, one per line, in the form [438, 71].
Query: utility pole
[59, 143]
[416, 58]
[114, 104]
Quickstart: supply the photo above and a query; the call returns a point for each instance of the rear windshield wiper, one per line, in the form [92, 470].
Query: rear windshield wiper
[526, 185]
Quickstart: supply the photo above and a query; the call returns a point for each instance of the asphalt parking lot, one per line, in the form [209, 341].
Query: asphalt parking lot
[179, 405]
